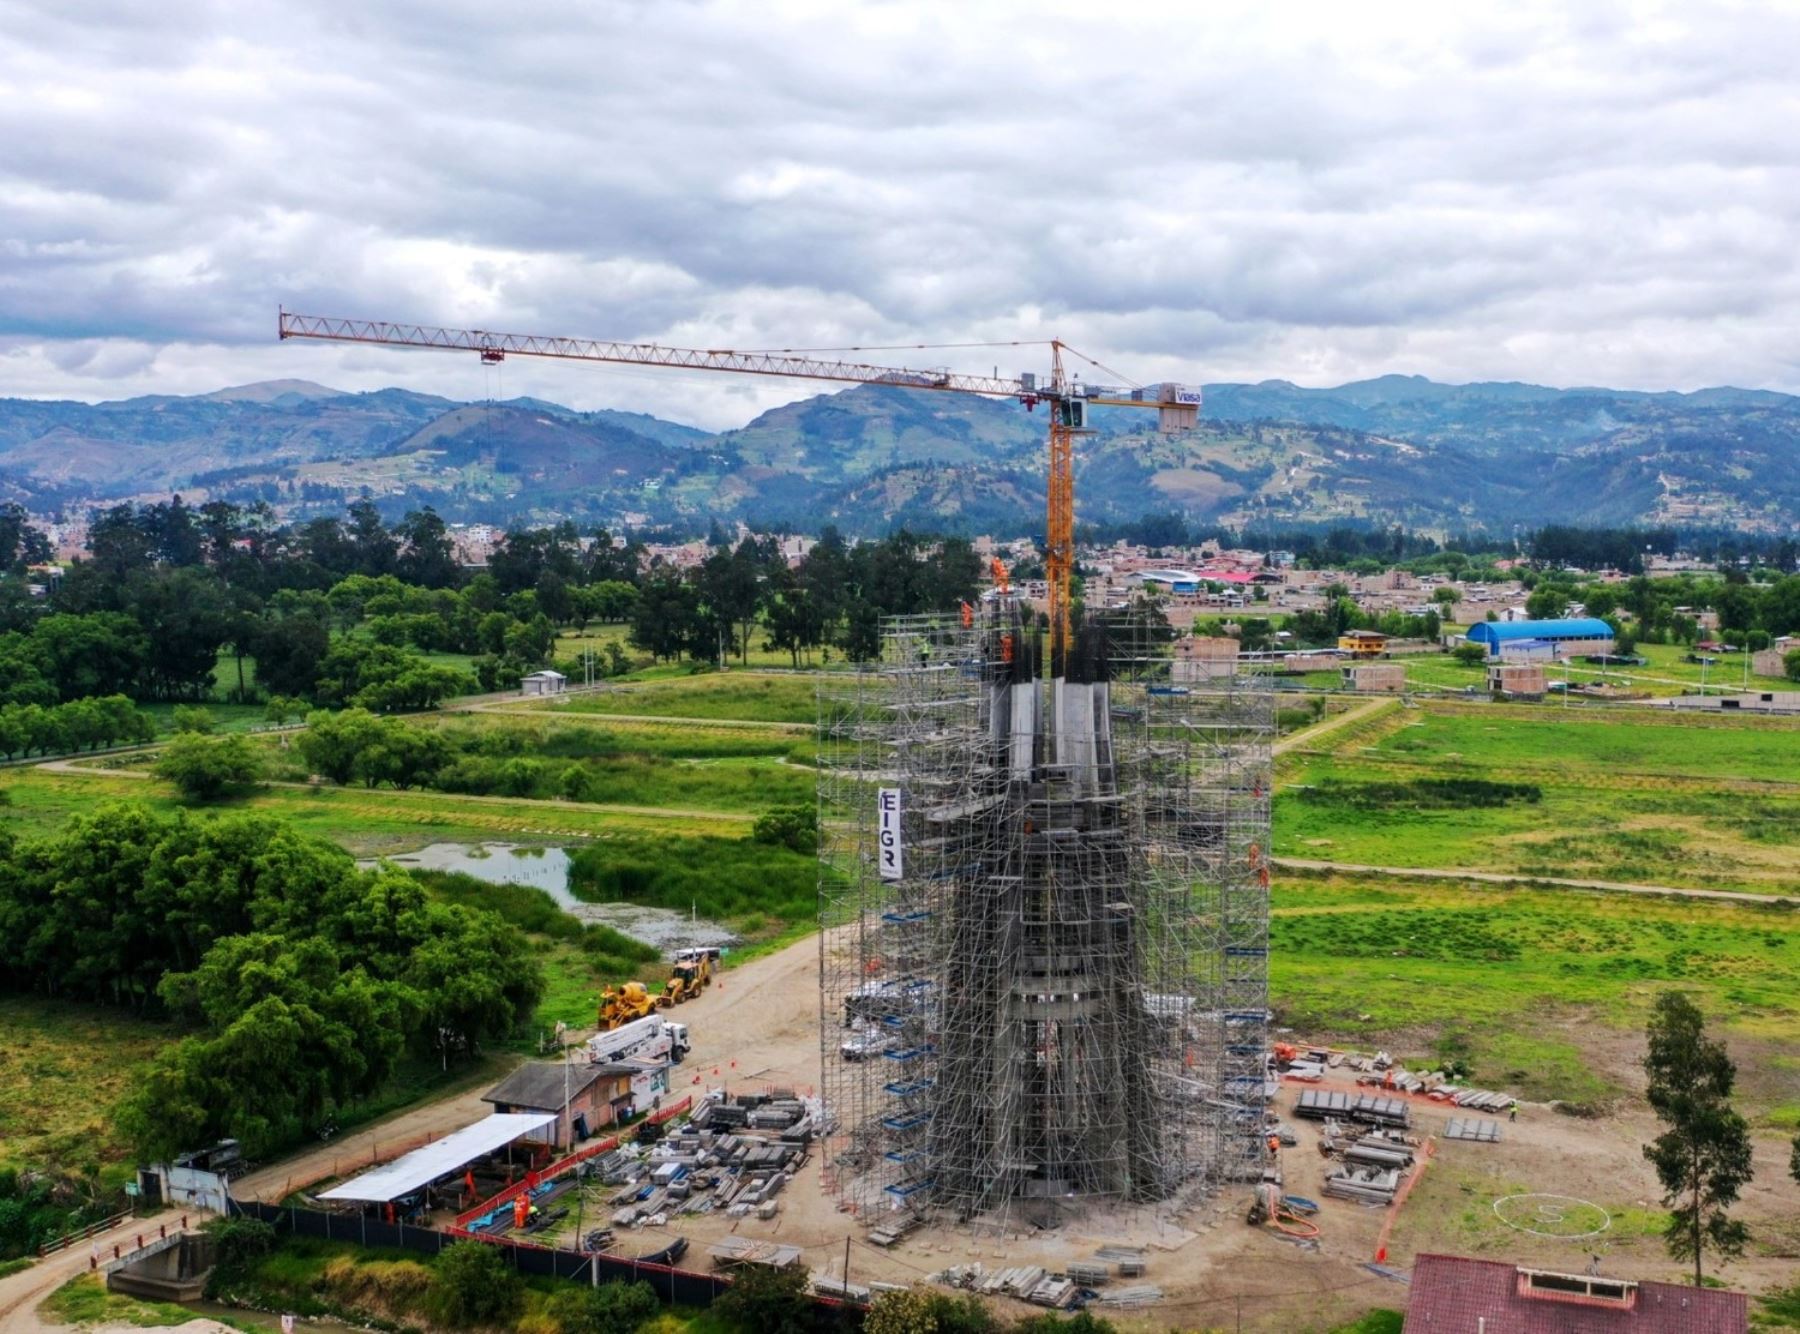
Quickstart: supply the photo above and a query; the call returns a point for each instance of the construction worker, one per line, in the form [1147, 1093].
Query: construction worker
[1514, 1114]
[1274, 1146]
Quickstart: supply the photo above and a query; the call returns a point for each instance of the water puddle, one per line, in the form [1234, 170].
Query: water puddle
[547, 869]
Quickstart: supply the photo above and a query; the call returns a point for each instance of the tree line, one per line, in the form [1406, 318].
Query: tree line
[347, 611]
[299, 981]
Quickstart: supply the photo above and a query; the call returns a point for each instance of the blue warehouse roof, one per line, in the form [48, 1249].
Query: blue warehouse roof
[1574, 627]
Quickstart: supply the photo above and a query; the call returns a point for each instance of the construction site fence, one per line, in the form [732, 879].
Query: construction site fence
[678, 1287]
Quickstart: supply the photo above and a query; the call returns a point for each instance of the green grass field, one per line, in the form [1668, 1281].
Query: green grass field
[1683, 800]
[1514, 979]
[61, 1067]
[741, 696]
[367, 823]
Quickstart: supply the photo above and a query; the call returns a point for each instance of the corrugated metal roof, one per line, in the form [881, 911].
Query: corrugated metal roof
[423, 1166]
[541, 1084]
[1574, 627]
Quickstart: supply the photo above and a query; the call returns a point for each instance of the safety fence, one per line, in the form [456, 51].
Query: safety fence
[682, 1287]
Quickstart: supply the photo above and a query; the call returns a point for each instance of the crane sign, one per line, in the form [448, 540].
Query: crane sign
[1177, 406]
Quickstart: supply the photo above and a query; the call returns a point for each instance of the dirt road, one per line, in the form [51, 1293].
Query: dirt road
[758, 1022]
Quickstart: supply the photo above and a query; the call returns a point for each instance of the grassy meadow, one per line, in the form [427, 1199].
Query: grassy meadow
[736, 696]
[1681, 800]
[1518, 981]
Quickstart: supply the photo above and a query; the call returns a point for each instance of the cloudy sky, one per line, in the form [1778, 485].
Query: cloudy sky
[1563, 193]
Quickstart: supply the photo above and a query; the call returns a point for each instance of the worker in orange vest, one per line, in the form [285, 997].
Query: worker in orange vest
[1274, 1146]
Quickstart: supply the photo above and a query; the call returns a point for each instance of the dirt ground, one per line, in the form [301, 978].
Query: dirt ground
[761, 1027]
[758, 1025]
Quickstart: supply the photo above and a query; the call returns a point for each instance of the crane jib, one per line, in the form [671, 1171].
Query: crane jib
[1177, 406]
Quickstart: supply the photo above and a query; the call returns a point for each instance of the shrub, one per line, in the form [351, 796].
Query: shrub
[473, 1285]
[611, 1308]
[240, 1242]
[792, 827]
[576, 783]
[520, 777]
[192, 718]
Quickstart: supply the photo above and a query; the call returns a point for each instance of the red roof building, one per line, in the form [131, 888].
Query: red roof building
[1451, 1295]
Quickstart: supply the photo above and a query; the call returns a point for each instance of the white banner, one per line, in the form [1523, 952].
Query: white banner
[887, 838]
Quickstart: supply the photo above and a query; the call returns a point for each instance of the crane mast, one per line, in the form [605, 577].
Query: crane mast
[1177, 406]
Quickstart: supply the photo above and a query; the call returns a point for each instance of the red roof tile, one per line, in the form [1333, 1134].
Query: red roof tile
[1452, 1295]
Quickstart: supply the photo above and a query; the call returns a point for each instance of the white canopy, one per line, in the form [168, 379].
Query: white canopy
[439, 1159]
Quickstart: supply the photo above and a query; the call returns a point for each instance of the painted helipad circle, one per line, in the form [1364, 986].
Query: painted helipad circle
[1562, 1217]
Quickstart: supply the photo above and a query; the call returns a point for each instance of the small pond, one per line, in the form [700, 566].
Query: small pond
[548, 869]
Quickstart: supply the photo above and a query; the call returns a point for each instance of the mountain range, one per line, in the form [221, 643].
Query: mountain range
[1398, 449]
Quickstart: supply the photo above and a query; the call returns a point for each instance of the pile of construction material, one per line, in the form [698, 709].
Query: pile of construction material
[734, 1154]
[734, 1252]
[1130, 1259]
[1476, 1100]
[895, 1229]
[1476, 1129]
[1383, 1072]
[1372, 1163]
[1029, 1283]
[1367, 1108]
[1364, 1185]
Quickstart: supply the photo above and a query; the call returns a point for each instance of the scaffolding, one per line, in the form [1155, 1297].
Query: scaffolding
[1044, 902]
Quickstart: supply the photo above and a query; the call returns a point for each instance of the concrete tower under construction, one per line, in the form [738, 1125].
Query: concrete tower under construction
[1044, 892]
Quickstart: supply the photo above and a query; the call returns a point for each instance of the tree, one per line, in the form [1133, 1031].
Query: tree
[288, 651]
[101, 653]
[763, 1299]
[1703, 1158]
[665, 617]
[401, 756]
[208, 768]
[333, 743]
[281, 708]
[1790, 664]
[473, 1285]
[192, 718]
[1470, 655]
[427, 556]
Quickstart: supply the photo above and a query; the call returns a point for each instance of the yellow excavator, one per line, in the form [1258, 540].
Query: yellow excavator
[631, 1001]
[691, 975]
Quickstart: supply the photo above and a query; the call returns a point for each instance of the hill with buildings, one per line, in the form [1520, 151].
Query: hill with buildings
[1397, 449]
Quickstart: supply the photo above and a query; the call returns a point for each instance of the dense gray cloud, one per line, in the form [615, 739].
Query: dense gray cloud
[1585, 193]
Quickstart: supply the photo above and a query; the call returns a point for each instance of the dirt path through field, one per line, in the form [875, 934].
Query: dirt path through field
[1526, 881]
[1349, 717]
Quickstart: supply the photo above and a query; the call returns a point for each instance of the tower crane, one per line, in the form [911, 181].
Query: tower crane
[1068, 399]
